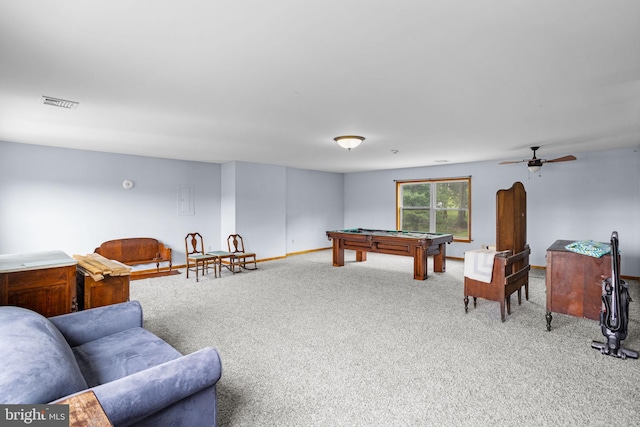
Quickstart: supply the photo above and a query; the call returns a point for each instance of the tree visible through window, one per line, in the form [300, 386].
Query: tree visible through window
[435, 206]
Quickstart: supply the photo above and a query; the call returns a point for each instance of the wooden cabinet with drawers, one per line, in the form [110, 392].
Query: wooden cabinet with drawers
[44, 282]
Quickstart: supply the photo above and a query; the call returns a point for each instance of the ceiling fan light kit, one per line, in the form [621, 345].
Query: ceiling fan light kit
[535, 164]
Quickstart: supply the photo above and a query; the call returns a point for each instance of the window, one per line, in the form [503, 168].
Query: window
[435, 206]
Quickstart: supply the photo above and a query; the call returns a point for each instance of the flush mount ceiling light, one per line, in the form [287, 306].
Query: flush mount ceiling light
[57, 102]
[349, 141]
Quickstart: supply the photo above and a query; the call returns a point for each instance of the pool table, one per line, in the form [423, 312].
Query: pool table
[394, 242]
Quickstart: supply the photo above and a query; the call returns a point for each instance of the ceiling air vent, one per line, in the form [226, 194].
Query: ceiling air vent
[57, 102]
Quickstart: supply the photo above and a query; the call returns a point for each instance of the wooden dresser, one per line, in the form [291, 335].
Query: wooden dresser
[44, 282]
[574, 282]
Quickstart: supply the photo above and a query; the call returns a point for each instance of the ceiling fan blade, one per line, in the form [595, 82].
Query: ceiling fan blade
[562, 159]
[511, 162]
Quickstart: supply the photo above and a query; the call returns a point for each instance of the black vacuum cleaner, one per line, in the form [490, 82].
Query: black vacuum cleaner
[614, 316]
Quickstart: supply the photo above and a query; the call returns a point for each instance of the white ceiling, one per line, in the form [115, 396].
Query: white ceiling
[275, 81]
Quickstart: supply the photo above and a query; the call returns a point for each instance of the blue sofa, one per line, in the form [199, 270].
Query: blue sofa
[139, 379]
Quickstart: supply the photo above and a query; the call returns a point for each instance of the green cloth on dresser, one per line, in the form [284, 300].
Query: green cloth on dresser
[589, 247]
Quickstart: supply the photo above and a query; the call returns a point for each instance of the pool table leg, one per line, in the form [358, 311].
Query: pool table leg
[338, 253]
[361, 256]
[420, 264]
[440, 259]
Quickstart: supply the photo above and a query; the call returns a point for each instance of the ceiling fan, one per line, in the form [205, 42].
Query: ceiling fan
[534, 164]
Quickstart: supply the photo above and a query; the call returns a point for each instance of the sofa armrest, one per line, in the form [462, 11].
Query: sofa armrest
[89, 325]
[138, 396]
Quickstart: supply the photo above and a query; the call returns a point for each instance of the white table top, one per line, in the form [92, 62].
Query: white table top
[34, 261]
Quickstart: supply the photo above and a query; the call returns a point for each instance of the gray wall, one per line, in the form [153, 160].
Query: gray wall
[72, 200]
[315, 203]
[283, 210]
[584, 199]
[259, 194]
[280, 210]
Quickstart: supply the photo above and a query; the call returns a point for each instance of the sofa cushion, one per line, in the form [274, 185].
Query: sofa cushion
[38, 365]
[122, 354]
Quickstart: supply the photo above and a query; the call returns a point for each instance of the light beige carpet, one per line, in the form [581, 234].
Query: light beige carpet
[307, 344]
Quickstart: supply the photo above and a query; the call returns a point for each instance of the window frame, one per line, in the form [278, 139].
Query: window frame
[433, 209]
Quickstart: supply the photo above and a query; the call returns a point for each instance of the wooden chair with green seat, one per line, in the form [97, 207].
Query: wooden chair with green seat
[196, 257]
[235, 245]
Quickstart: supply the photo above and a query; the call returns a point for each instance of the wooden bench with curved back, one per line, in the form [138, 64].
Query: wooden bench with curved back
[136, 251]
